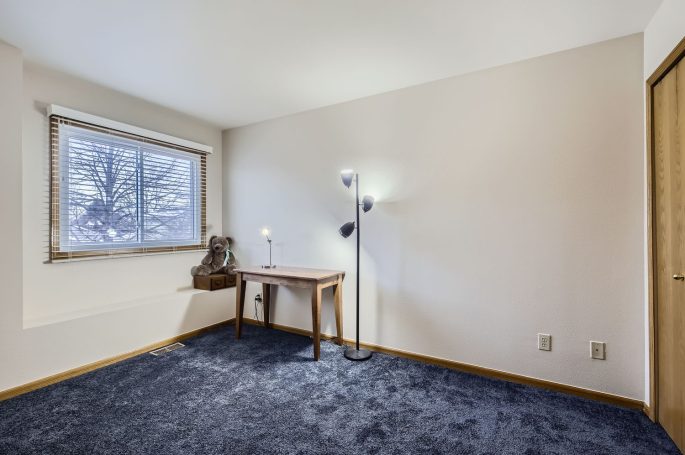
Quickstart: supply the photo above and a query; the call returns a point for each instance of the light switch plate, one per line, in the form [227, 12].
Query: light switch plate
[598, 350]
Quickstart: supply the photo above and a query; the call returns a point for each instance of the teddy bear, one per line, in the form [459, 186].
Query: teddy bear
[219, 258]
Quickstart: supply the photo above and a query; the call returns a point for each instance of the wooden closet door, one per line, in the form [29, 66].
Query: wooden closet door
[669, 193]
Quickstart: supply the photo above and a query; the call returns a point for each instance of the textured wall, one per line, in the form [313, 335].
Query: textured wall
[75, 313]
[509, 203]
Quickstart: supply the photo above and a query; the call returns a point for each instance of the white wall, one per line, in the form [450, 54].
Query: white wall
[661, 36]
[87, 286]
[663, 33]
[10, 195]
[509, 203]
[75, 313]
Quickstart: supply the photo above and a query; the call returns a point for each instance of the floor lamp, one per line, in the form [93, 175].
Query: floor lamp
[348, 176]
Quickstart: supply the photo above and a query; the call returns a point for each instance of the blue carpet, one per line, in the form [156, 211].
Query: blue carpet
[265, 395]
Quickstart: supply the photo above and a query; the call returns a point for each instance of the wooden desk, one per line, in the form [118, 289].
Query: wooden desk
[314, 279]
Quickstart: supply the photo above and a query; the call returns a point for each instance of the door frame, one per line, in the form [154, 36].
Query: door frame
[671, 60]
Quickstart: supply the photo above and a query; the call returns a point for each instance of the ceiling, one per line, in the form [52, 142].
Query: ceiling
[235, 62]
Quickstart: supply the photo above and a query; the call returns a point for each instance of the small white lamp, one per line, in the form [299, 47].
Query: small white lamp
[267, 233]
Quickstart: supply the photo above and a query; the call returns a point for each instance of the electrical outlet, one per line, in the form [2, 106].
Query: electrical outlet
[544, 342]
[598, 350]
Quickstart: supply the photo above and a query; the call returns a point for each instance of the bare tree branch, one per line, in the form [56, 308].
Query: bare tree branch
[105, 201]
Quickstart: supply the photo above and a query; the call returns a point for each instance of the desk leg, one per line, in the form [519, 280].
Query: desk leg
[266, 301]
[239, 302]
[316, 319]
[337, 293]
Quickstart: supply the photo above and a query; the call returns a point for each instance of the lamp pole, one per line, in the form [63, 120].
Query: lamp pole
[356, 353]
[356, 190]
[267, 233]
[269, 240]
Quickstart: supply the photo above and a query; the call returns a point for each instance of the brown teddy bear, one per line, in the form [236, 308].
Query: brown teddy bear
[219, 258]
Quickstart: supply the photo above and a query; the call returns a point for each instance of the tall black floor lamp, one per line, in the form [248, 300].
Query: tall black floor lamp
[354, 353]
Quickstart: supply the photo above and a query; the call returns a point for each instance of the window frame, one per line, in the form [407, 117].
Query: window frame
[56, 252]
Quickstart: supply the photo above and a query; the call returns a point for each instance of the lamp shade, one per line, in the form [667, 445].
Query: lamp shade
[347, 176]
[347, 229]
[367, 203]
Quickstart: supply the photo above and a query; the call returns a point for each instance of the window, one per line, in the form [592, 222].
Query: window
[119, 193]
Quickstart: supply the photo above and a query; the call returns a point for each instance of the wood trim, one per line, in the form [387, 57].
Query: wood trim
[287, 328]
[59, 377]
[651, 257]
[652, 407]
[475, 369]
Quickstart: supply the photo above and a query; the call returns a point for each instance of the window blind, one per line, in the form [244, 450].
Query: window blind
[118, 193]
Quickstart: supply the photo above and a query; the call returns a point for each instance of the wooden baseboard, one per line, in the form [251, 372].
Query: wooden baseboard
[290, 329]
[482, 371]
[649, 412]
[40, 383]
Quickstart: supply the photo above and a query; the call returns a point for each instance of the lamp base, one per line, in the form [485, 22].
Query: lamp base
[357, 354]
[268, 266]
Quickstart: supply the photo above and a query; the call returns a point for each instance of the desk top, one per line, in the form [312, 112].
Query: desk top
[292, 272]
